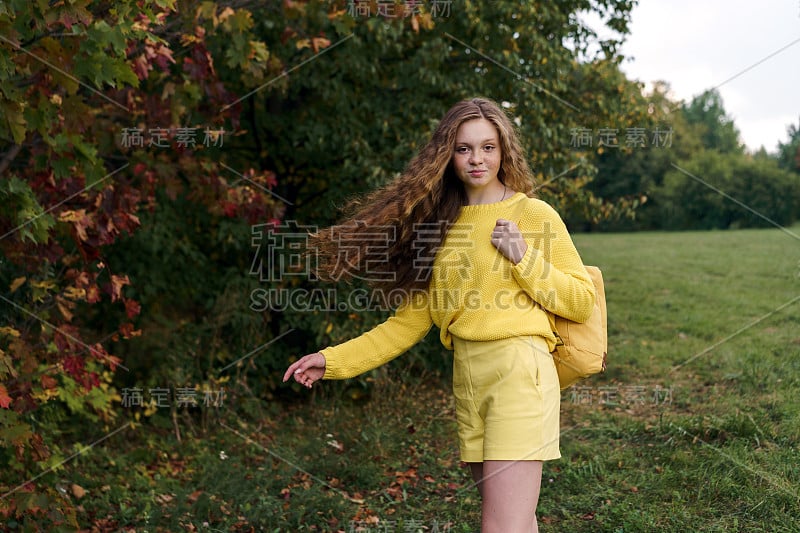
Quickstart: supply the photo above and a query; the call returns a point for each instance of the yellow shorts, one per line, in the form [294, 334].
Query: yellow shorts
[507, 400]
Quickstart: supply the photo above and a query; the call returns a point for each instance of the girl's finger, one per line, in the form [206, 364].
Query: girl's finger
[294, 368]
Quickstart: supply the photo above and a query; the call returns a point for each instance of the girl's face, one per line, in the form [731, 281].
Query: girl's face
[476, 159]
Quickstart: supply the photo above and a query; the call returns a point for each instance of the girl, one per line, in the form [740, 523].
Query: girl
[479, 256]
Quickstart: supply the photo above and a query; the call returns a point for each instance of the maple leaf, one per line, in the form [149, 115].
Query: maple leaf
[74, 365]
[48, 382]
[92, 294]
[117, 282]
[163, 57]
[132, 308]
[5, 399]
[142, 67]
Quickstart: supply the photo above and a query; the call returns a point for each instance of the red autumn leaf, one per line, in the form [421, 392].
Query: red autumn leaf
[269, 177]
[142, 67]
[92, 294]
[163, 57]
[5, 399]
[64, 337]
[98, 352]
[200, 65]
[73, 365]
[127, 330]
[90, 380]
[191, 68]
[132, 308]
[113, 362]
[117, 282]
[48, 382]
[229, 208]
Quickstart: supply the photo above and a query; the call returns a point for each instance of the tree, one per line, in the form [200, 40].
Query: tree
[78, 79]
[717, 130]
[789, 153]
[710, 191]
[144, 142]
[676, 184]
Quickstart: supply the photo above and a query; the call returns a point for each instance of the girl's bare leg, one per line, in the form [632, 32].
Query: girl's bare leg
[509, 494]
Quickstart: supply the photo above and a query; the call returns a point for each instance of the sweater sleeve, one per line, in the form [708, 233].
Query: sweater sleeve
[551, 271]
[410, 323]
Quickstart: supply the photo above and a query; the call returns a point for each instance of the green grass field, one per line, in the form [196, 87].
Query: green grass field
[694, 427]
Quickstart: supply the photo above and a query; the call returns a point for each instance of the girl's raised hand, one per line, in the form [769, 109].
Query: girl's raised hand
[307, 369]
[507, 238]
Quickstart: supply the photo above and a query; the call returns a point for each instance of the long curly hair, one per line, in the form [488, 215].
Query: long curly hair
[390, 236]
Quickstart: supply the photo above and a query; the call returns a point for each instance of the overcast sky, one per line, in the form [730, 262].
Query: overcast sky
[699, 44]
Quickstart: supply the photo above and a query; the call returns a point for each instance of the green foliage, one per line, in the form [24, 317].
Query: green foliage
[716, 128]
[789, 153]
[705, 193]
[32, 221]
[385, 88]
[703, 180]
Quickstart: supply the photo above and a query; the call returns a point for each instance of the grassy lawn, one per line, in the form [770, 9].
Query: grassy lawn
[695, 426]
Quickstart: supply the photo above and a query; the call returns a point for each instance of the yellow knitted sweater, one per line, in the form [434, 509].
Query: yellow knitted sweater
[476, 293]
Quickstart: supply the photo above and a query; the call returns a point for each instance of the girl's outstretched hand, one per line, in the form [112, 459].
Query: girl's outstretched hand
[307, 370]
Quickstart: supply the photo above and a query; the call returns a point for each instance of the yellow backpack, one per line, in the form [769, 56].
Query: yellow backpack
[582, 347]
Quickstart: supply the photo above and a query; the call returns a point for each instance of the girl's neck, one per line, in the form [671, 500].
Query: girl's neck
[490, 196]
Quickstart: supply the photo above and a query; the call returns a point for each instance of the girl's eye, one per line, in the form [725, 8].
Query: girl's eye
[462, 149]
[488, 148]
